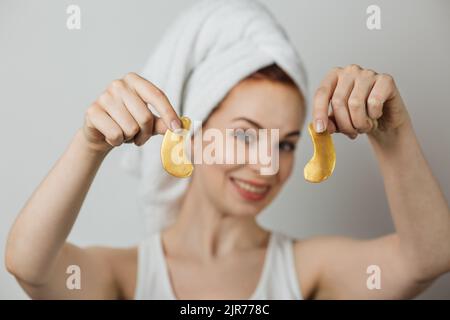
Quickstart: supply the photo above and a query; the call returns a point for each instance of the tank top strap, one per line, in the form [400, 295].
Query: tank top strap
[151, 281]
[279, 279]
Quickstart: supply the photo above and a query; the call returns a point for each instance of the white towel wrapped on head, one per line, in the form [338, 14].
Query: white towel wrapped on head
[207, 51]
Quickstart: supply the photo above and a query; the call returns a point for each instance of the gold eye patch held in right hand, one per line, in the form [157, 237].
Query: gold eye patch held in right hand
[173, 157]
[321, 165]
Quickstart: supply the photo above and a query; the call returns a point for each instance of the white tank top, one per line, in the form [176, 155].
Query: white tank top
[278, 280]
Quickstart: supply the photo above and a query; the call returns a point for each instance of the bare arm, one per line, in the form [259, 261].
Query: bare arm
[419, 251]
[36, 249]
[37, 254]
[418, 207]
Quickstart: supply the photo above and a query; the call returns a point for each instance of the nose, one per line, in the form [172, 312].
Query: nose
[264, 169]
[264, 157]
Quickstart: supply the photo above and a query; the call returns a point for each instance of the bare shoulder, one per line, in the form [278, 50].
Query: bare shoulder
[316, 257]
[123, 263]
[336, 267]
[308, 264]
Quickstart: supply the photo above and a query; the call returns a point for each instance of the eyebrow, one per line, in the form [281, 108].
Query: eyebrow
[256, 124]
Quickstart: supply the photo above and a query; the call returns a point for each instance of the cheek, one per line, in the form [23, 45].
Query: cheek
[286, 167]
[213, 176]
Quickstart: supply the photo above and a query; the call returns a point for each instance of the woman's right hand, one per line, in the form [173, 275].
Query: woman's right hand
[121, 115]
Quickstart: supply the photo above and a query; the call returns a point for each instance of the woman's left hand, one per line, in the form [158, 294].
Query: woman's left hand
[362, 101]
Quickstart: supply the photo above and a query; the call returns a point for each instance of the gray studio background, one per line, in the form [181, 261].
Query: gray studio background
[49, 76]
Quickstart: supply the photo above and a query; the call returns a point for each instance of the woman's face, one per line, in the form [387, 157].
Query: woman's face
[241, 189]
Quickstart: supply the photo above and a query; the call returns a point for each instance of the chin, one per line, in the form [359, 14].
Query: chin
[239, 212]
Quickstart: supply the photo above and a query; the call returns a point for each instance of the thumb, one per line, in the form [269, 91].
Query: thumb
[332, 127]
[159, 127]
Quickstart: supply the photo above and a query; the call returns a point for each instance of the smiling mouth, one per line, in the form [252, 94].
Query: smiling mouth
[250, 190]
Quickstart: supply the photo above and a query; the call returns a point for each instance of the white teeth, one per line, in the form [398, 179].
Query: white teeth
[249, 187]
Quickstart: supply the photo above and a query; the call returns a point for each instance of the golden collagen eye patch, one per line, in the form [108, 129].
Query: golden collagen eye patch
[173, 156]
[321, 165]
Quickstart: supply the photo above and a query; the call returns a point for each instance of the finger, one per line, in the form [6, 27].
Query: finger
[357, 103]
[382, 91]
[332, 128]
[119, 113]
[154, 96]
[160, 126]
[98, 119]
[322, 100]
[141, 114]
[339, 103]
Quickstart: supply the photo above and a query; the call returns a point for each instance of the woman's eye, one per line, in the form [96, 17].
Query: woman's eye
[287, 146]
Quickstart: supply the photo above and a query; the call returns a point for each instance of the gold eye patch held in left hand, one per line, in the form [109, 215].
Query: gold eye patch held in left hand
[173, 156]
[321, 165]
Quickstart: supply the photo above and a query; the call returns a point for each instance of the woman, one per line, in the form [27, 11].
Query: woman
[215, 248]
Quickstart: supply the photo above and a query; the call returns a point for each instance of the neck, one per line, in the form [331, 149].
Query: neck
[205, 231]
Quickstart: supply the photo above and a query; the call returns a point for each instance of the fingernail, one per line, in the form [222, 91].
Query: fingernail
[175, 125]
[319, 126]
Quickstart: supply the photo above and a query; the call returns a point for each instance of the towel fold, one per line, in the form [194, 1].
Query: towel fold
[207, 51]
